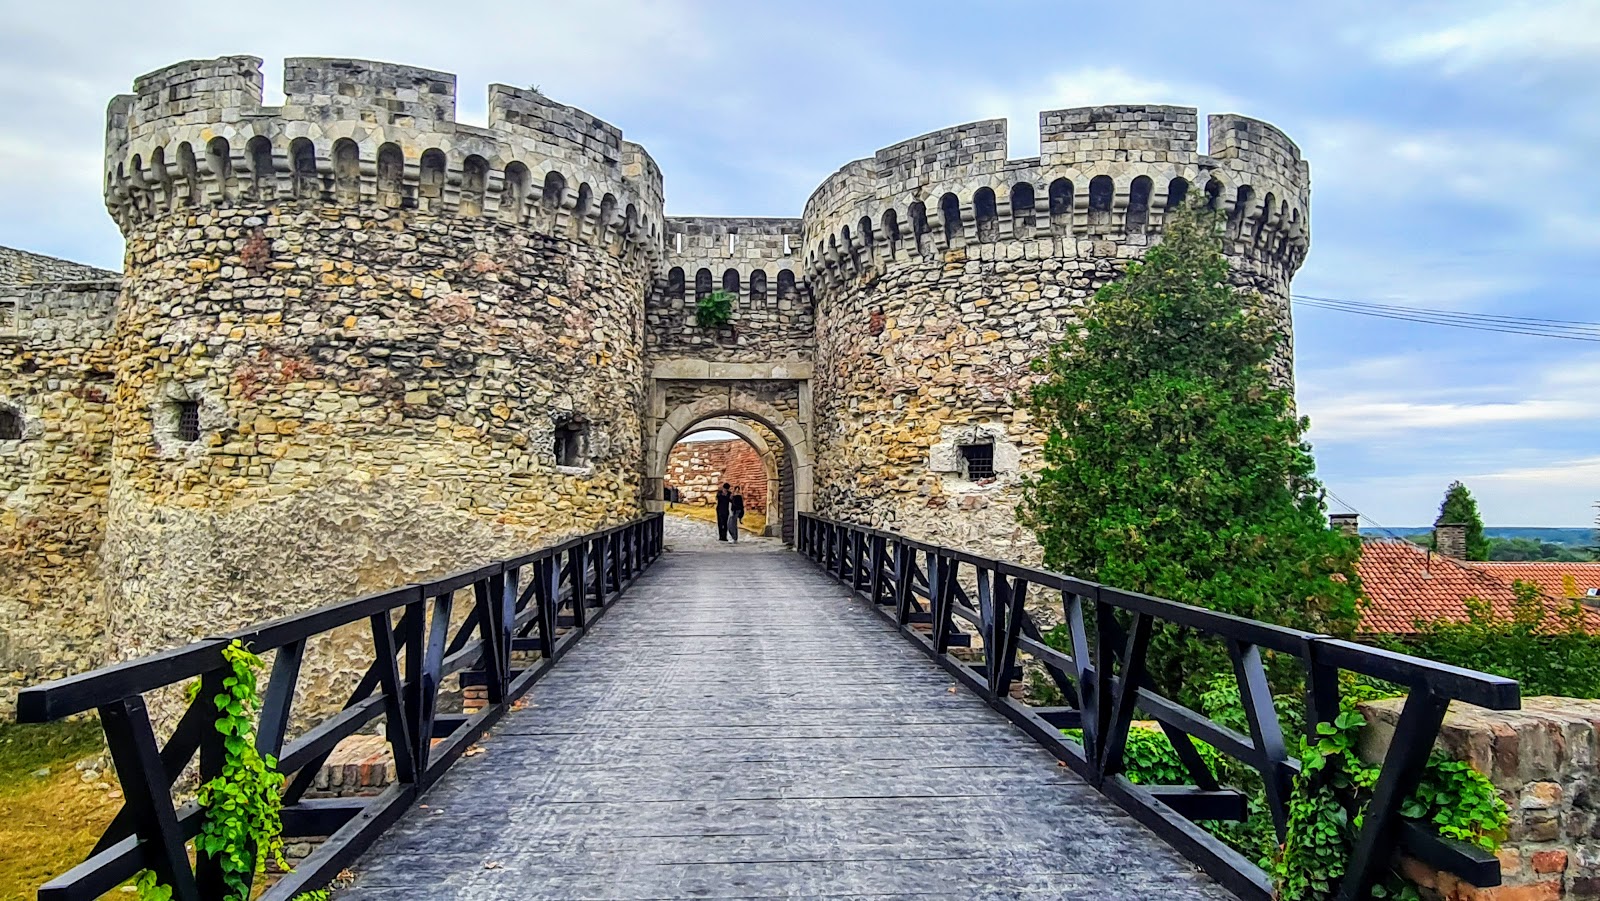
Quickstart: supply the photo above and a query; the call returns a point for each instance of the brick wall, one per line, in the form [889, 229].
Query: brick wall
[1542, 759]
[696, 468]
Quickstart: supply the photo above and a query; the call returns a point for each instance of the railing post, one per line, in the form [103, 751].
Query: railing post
[875, 588]
[904, 558]
[147, 793]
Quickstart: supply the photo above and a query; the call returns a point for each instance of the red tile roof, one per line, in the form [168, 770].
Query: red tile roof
[1405, 584]
[1552, 578]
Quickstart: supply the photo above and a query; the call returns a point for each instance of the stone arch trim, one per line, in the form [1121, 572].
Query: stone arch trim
[682, 419]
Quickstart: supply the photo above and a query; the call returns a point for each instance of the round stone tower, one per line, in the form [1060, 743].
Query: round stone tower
[941, 269]
[360, 342]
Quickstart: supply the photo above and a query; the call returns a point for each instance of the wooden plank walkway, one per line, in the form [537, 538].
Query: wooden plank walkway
[739, 727]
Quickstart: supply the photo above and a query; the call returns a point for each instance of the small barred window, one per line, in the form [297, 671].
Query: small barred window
[10, 425]
[188, 420]
[572, 444]
[978, 461]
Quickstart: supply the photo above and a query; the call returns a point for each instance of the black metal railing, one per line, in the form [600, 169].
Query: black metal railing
[539, 602]
[1103, 678]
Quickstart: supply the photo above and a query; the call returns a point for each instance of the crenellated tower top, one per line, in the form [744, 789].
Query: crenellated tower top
[355, 131]
[1103, 172]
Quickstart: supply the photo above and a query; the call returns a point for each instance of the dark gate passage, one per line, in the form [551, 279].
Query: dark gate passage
[741, 728]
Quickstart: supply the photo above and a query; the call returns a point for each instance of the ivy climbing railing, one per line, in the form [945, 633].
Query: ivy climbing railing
[540, 602]
[944, 599]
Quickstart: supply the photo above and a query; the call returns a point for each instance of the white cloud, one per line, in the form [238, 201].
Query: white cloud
[1354, 417]
[1536, 31]
[1559, 494]
[1086, 86]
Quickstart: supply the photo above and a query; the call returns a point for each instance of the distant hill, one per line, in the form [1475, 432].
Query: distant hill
[1570, 537]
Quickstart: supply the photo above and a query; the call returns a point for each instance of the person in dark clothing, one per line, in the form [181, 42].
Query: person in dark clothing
[736, 510]
[724, 508]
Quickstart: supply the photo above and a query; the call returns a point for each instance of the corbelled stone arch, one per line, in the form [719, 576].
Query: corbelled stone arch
[771, 463]
[794, 463]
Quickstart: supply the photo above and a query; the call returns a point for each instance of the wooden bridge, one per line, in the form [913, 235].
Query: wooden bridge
[744, 723]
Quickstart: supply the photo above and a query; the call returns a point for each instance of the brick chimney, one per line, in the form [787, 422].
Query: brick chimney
[1450, 539]
[1348, 523]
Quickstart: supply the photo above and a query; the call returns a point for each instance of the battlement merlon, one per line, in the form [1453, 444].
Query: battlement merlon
[1249, 160]
[371, 104]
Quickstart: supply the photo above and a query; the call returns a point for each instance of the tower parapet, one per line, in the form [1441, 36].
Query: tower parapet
[1103, 173]
[353, 132]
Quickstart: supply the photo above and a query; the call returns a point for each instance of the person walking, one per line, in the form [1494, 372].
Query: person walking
[724, 508]
[736, 508]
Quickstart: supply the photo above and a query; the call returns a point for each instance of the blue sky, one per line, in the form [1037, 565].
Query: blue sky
[1448, 145]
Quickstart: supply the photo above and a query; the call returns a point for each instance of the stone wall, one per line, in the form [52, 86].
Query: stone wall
[698, 468]
[757, 261]
[19, 267]
[1545, 761]
[56, 362]
[405, 352]
[942, 269]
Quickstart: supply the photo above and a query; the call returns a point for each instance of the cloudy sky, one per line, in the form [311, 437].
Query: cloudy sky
[1451, 148]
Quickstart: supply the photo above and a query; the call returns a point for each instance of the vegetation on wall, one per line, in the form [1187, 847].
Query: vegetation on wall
[1175, 466]
[1459, 508]
[714, 310]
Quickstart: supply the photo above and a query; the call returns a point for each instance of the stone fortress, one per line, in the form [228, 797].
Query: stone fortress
[357, 342]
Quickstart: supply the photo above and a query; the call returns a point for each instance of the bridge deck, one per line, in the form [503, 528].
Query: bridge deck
[738, 727]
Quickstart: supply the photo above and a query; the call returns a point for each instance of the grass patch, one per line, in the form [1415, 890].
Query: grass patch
[50, 821]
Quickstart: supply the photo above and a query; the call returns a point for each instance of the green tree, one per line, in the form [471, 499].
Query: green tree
[1459, 508]
[1175, 465]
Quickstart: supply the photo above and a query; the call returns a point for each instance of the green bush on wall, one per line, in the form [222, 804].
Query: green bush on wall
[714, 310]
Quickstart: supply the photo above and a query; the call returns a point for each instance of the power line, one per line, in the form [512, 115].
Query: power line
[1351, 507]
[1567, 330]
[1576, 324]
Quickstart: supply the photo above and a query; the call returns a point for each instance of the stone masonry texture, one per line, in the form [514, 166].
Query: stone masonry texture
[356, 342]
[1542, 760]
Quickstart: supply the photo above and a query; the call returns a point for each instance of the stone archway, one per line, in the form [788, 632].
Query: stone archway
[770, 462]
[794, 459]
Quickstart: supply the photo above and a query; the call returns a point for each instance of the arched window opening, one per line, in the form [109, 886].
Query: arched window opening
[163, 179]
[1101, 192]
[553, 195]
[950, 212]
[891, 232]
[850, 247]
[1243, 199]
[263, 173]
[346, 171]
[430, 187]
[730, 282]
[630, 220]
[138, 197]
[1022, 220]
[987, 216]
[582, 208]
[608, 211]
[303, 170]
[474, 185]
[758, 287]
[1061, 206]
[1268, 207]
[865, 225]
[919, 227]
[675, 285]
[1138, 205]
[1177, 193]
[514, 193]
[702, 284]
[189, 171]
[219, 157]
[391, 176]
[785, 284]
[1214, 195]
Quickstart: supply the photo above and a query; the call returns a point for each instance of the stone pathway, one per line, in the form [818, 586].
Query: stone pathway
[740, 727]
